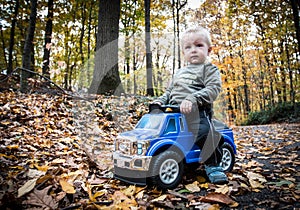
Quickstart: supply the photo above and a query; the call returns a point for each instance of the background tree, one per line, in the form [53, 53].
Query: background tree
[48, 37]
[28, 54]
[148, 48]
[106, 79]
[12, 37]
[256, 47]
[132, 15]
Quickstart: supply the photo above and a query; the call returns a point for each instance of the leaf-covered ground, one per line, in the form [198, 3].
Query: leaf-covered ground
[55, 153]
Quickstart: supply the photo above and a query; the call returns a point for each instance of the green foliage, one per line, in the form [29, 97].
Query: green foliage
[282, 112]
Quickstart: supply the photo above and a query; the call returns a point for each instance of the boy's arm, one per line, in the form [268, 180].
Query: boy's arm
[164, 99]
[213, 84]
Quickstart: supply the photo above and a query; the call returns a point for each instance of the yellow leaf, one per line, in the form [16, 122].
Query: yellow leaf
[8, 156]
[140, 195]
[255, 184]
[12, 147]
[224, 189]
[160, 198]
[205, 185]
[201, 179]
[256, 180]
[129, 191]
[97, 194]
[41, 168]
[67, 187]
[193, 187]
[58, 161]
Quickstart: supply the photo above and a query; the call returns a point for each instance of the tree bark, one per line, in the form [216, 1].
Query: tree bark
[48, 36]
[179, 6]
[296, 7]
[12, 38]
[150, 91]
[106, 79]
[27, 53]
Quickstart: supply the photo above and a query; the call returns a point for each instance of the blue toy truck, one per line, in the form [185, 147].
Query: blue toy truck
[159, 147]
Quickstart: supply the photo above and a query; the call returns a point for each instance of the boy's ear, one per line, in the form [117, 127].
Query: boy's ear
[209, 50]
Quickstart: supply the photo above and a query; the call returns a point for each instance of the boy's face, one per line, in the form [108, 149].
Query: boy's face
[195, 49]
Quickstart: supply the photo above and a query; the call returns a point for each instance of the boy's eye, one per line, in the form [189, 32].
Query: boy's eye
[199, 45]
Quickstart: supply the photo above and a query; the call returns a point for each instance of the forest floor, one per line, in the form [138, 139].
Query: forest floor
[55, 153]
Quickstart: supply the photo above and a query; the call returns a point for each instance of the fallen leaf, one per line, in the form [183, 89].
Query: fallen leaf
[67, 187]
[224, 189]
[160, 198]
[129, 191]
[256, 180]
[140, 195]
[218, 198]
[27, 187]
[193, 187]
[42, 199]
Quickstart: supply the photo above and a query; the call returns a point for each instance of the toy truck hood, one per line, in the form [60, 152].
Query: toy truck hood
[139, 134]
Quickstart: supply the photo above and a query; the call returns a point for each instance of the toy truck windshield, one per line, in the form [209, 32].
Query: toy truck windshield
[151, 121]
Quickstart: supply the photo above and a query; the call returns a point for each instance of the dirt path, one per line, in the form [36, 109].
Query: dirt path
[272, 151]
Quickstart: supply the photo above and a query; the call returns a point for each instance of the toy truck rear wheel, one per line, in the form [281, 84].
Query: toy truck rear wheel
[228, 157]
[166, 170]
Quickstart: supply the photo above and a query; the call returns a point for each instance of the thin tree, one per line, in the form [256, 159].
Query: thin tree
[150, 91]
[296, 7]
[12, 37]
[27, 56]
[106, 78]
[48, 35]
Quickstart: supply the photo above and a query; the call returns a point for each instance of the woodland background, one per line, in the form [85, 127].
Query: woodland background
[256, 47]
[57, 135]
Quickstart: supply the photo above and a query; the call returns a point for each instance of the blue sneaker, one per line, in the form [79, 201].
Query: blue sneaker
[216, 174]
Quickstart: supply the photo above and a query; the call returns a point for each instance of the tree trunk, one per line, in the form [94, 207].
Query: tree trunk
[296, 7]
[3, 46]
[179, 6]
[150, 91]
[12, 38]
[89, 46]
[27, 53]
[174, 36]
[106, 79]
[48, 36]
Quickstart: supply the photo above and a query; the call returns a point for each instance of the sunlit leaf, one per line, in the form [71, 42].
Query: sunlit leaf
[67, 187]
[27, 187]
[160, 198]
[194, 187]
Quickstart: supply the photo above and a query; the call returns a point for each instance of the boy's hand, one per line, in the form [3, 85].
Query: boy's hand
[186, 107]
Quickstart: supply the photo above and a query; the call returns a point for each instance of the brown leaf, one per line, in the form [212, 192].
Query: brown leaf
[217, 198]
[42, 199]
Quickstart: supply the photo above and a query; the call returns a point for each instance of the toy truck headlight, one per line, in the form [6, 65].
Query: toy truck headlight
[123, 147]
[140, 147]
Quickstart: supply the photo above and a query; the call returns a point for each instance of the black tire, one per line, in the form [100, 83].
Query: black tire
[166, 170]
[228, 157]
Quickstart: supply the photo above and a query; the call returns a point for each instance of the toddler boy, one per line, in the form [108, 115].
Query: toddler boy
[194, 89]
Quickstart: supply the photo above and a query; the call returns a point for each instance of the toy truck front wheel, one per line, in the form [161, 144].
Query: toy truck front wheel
[166, 170]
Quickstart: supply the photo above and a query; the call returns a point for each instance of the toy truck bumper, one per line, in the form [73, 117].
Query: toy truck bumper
[131, 169]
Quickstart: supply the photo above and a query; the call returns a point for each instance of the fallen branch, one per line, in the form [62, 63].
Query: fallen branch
[45, 78]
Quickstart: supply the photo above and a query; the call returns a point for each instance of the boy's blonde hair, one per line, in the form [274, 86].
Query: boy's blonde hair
[199, 30]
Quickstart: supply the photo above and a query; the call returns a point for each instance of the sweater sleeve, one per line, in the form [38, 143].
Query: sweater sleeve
[213, 84]
[164, 99]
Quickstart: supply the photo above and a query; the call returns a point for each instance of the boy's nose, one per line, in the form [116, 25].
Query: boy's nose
[194, 49]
